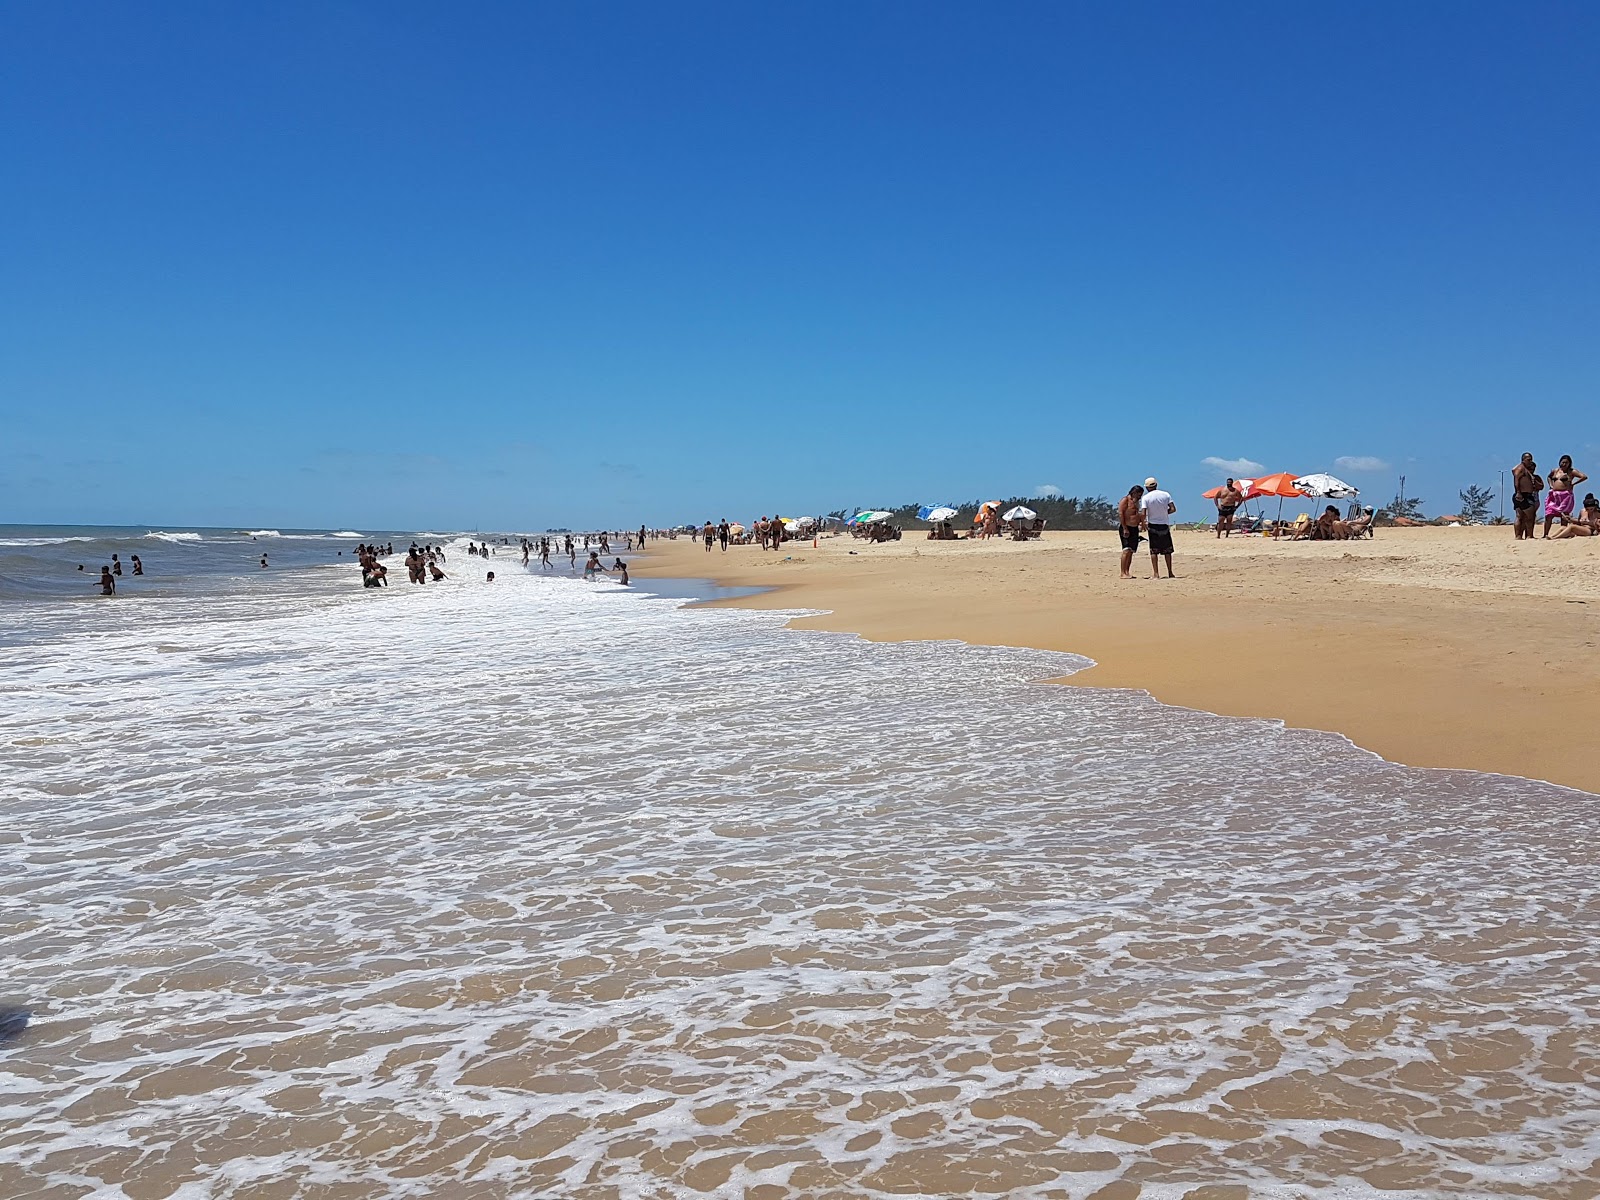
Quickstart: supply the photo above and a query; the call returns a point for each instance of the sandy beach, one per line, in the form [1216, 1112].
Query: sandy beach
[1435, 647]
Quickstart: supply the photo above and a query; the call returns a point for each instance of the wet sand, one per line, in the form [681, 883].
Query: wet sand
[1434, 647]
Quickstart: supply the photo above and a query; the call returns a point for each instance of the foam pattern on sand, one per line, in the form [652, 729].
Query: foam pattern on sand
[542, 889]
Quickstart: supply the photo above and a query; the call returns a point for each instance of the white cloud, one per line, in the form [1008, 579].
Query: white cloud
[1360, 462]
[1233, 466]
[1046, 491]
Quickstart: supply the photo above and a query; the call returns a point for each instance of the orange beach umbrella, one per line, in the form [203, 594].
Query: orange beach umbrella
[1280, 485]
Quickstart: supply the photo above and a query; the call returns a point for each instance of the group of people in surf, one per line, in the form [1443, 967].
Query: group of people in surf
[110, 573]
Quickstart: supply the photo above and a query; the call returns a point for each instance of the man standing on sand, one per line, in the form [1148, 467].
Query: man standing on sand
[1525, 488]
[1158, 508]
[722, 533]
[1228, 501]
[709, 533]
[1130, 516]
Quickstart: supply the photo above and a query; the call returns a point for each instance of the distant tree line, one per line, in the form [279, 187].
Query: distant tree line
[1059, 512]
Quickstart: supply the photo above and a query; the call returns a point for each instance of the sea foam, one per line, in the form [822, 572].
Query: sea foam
[538, 888]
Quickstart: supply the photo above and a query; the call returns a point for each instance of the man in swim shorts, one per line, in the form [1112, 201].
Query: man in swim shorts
[1228, 501]
[1525, 488]
[1129, 517]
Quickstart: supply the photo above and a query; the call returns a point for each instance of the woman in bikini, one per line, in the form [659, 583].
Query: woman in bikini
[1558, 501]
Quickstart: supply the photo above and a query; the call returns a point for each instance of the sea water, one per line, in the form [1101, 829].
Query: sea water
[545, 888]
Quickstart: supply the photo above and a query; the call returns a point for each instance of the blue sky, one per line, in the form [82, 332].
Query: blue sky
[514, 265]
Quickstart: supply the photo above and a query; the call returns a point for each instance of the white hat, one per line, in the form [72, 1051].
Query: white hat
[1151, 482]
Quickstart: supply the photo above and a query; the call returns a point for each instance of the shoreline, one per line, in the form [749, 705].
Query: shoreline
[1447, 648]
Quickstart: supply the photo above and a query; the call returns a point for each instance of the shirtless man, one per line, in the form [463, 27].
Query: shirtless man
[1525, 488]
[1130, 515]
[108, 585]
[710, 534]
[1228, 501]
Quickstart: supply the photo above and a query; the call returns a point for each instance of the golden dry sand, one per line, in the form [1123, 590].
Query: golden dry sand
[1437, 647]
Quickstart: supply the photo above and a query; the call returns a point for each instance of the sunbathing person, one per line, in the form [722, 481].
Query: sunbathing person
[1583, 524]
[1358, 526]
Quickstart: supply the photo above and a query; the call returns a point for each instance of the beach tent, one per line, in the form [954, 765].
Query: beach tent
[1326, 485]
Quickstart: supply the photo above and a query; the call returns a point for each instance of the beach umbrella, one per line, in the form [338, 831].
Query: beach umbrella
[984, 510]
[935, 512]
[736, 528]
[1280, 485]
[870, 516]
[1020, 513]
[1326, 485]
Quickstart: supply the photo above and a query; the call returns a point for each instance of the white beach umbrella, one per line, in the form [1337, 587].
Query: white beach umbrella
[1020, 513]
[943, 513]
[1327, 485]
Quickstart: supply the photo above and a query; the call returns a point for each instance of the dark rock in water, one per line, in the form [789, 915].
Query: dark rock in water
[12, 1022]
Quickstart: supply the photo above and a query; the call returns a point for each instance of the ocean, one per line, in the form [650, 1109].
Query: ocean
[548, 888]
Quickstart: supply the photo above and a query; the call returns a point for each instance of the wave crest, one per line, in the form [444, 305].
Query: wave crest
[162, 535]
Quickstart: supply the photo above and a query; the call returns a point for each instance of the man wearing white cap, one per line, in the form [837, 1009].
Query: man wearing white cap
[1158, 509]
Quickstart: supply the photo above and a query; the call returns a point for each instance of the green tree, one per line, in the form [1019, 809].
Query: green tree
[1475, 504]
[1409, 507]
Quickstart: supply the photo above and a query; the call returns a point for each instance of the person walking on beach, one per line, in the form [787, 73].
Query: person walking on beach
[1130, 517]
[1558, 501]
[1525, 488]
[709, 533]
[1228, 501]
[1158, 509]
[722, 533]
[108, 585]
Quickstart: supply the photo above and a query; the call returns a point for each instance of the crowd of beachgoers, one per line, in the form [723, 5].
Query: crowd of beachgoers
[1144, 516]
